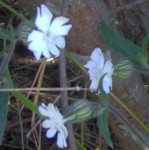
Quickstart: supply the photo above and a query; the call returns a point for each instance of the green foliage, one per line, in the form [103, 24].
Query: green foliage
[24, 100]
[5, 56]
[80, 145]
[4, 97]
[144, 49]
[144, 143]
[8, 33]
[103, 126]
[5, 34]
[122, 68]
[104, 97]
[82, 110]
[13, 11]
[20, 97]
[122, 45]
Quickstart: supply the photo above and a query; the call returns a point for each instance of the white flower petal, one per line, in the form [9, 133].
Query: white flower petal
[48, 123]
[51, 111]
[44, 17]
[107, 84]
[51, 132]
[55, 123]
[97, 68]
[94, 85]
[98, 58]
[61, 141]
[46, 53]
[37, 48]
[54, 50]
[43, 110]
[54, 113]
[35, 36]
[60, 116]
[37, 54]
[60, 42]
[108, 68]
[59, 21]
[58, 27]
[91, 65]
[51, 107]
[62, 129]
[97, 55]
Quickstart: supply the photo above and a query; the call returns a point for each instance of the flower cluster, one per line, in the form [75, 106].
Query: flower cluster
[99, 68]
[54, 123]
[47, 40]
[49, 37]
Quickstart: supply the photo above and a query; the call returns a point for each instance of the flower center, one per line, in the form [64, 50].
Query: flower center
[47, 37]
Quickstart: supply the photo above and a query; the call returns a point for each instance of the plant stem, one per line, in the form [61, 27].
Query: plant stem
[63, 84]
[123, 120]
[130, 112]
[64, 97]
[20, 15]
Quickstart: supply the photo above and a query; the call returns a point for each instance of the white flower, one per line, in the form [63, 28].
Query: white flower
[49, 37]
[100, 67]
[54, 123]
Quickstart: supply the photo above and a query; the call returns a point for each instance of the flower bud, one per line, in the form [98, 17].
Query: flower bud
[81, 110]
[123, 68]
[24, 29]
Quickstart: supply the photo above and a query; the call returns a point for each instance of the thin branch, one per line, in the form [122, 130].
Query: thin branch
[77, 88]
[63, 84]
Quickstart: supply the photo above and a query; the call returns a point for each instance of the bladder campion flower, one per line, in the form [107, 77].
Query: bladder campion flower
[100, 67]
[49, 37]
[54, 123]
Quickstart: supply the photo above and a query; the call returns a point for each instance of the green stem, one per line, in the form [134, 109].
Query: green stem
[20, 15]
[130, 112]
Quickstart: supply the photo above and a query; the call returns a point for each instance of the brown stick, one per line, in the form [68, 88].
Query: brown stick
[63, 83]
[64, 97]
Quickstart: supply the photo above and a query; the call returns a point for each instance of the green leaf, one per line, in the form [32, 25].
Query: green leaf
[12, 10]
[144, 49]
[4, 97]
[104, 97]
[5, 56]
[121, 44]
[24, 100]
[20, 97]
[135, 137]
[5, 34]
[103, 126]
[80, 145]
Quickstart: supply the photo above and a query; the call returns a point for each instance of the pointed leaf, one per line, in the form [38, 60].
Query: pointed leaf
[121, 44]
[144, 49]
[103, 126]
[4, 97]
[5, 56]
[24, 100]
